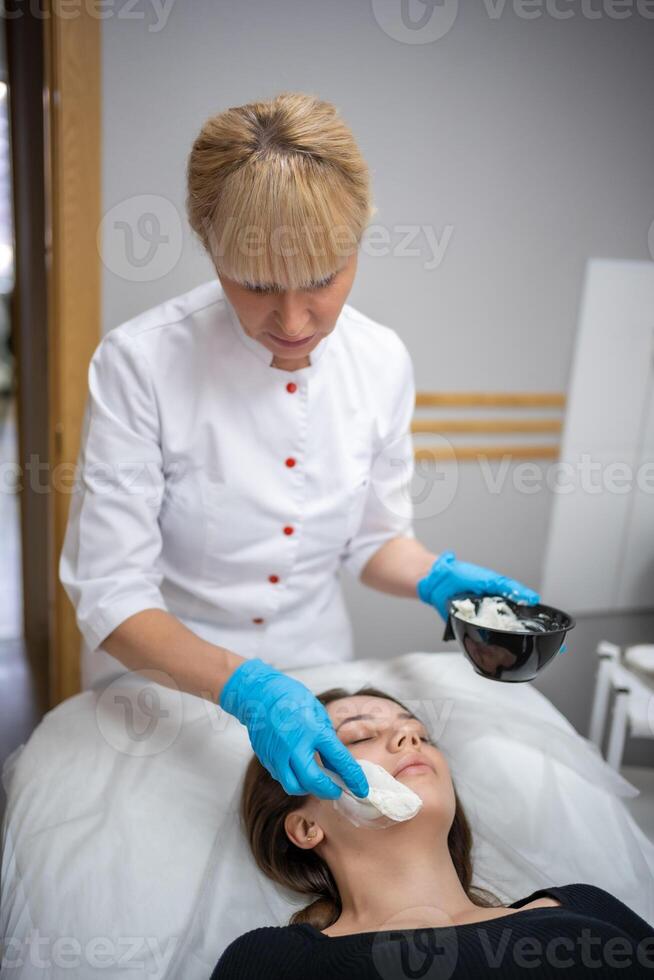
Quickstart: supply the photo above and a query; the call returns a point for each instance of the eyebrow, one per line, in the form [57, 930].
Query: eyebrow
[400, 714]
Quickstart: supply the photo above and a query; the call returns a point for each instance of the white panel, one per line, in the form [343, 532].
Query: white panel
[636, 578]
[600, 546]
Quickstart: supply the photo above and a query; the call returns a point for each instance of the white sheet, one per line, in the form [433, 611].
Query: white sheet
[131, 843]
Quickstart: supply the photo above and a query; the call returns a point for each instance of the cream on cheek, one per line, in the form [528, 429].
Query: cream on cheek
[389, 801]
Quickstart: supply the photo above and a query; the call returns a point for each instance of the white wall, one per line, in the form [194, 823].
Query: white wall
[530, 139]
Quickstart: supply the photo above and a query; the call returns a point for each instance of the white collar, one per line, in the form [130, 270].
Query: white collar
[267, 356]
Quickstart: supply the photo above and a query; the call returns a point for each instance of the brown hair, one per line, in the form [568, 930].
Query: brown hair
[284, 167]
[264, 807]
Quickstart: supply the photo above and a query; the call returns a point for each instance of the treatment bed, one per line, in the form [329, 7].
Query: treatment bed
[121, 847]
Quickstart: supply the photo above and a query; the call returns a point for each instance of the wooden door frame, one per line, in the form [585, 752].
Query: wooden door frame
[72, 102]
[58, 212]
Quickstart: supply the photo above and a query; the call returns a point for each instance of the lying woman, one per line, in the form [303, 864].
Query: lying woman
[398, 902]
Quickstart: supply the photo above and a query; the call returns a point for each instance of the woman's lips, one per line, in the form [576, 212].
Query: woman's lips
[413, 761]
[291, 343]
[416, 767]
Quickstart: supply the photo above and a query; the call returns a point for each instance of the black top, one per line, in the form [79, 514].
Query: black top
[592, 934]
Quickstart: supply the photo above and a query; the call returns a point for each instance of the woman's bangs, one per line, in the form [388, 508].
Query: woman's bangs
[287, 236]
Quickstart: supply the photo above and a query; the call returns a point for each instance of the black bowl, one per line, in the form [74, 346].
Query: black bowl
[503, 655]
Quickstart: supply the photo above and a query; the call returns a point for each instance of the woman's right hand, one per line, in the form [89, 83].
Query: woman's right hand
[287, 724]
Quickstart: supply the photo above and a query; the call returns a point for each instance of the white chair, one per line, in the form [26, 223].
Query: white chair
[633, 706]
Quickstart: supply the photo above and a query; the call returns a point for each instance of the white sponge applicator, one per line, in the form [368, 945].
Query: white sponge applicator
[387, 798]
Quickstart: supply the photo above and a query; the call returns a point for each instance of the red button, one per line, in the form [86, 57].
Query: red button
[273, 578]
[288, 530]
[258, 620]
[291, 386]
[290, 461]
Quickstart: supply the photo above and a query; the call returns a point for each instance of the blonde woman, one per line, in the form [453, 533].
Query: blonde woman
[244, 441]
[398, 902]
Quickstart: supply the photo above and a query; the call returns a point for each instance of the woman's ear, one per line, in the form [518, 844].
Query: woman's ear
[302, 830]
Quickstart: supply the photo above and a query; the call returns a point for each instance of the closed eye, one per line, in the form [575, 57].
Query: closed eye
[368, 737]
[325, 282]
[262, 290]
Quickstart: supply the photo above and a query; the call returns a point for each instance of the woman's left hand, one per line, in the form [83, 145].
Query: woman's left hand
[449, 577]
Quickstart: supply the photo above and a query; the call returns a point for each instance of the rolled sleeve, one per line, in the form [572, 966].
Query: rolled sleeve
[388, 508]
[109, 563]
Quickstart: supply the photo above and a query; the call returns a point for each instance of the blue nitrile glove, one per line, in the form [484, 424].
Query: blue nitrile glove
[287, 724]
[449, 577]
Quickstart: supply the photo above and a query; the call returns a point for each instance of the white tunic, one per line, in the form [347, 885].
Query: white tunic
[228, 491]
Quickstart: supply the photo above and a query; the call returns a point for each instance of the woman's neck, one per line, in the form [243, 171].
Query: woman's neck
[285, 365]
[391, 883]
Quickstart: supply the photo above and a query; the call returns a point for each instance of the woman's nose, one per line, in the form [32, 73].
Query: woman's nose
[292, 316]
[403, 738]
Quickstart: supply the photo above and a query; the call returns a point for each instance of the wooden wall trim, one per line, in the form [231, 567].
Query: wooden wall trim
[498, 399]
[435, 454]
[511, 420]
[486, 425]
